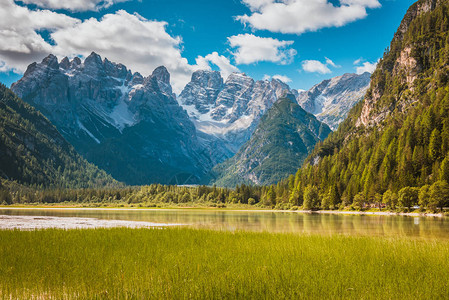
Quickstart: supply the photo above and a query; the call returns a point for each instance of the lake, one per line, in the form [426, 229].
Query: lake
[423, 227]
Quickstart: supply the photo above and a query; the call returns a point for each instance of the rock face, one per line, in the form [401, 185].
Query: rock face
[231, 110]
[32, 151]
[331, 100]
[404, 62]
[279, 145]
[129, 125]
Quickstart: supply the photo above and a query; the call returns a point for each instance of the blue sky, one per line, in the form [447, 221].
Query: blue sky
[300, 41]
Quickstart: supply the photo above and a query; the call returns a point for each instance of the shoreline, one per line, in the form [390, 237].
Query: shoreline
[328, 212]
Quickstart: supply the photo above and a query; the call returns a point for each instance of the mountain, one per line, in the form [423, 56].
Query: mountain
[33, 152]
[280, 143]
[127, 124]
[398, 136]
[228, 111]
[331, 100]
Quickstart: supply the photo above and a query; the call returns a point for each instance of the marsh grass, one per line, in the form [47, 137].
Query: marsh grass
[182, 263]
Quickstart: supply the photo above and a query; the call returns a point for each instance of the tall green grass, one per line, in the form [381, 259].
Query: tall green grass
[185, 263]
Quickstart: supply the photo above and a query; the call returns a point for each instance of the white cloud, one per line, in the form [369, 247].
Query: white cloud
[223, 63]
[315, 66]
[331, 63]
[282, 78]
[357, 61]
[252, 49]
[299, 16]
[366, 67]
[140, 44]
[21, 44]
[74, 5]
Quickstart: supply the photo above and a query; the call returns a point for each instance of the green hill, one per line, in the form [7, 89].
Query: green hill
[279, 145]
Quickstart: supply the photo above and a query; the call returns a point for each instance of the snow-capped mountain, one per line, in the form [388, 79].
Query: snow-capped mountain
[129, 125]
[134, 127]
[331, 100]
[231, 110]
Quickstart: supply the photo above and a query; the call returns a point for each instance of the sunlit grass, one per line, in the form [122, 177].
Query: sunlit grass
[187, 263]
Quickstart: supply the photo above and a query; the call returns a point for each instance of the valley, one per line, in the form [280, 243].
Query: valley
[300, 151]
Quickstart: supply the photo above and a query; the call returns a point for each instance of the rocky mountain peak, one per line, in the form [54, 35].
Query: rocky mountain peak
[65, 63]
[93, 59]
[76, 61]
[237, 77]
[207, 78]
[162, 75]
[51, 61]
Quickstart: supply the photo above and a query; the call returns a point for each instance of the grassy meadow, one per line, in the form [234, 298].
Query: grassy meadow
[180, 263]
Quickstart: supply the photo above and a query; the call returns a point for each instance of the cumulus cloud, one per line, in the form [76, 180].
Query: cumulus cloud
[315, 66]
[252, 49]
[366, 67]
[222, 62]
[282, 78]
[21, 44]
[140, 44]
[299, 16]
[74, 5]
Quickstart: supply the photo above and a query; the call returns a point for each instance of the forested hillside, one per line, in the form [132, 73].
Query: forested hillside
[32, 151]
[393, 147]
[279, 145]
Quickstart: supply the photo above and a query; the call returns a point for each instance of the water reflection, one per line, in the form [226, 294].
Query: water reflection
[424, 227]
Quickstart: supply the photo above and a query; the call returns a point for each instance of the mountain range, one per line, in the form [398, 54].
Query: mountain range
[137, 130]
[126, 124]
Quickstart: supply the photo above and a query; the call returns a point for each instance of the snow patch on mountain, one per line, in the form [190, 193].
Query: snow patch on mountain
[331, 100]
[81, 126]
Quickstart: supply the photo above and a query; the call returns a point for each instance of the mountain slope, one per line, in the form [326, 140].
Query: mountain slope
[331, 100]
[399, 135]
[129, 125]
[33, 152]
[280, 143]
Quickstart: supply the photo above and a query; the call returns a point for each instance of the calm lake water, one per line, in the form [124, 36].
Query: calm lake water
[423, 227]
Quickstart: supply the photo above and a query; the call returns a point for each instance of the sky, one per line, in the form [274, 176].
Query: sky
[300, 42]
